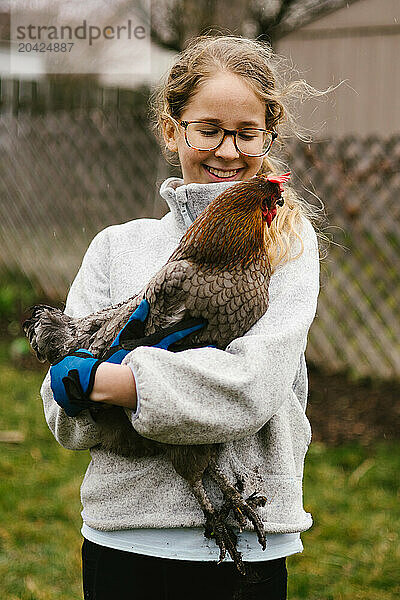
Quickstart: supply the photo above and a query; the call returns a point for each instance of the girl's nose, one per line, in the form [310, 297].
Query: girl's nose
[227, 149]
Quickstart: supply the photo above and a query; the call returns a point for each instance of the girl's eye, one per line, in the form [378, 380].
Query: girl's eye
[208, 132]
[248, 135]
[203, 129]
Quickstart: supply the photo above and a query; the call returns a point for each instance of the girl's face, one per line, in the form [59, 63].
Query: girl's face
[226, 100]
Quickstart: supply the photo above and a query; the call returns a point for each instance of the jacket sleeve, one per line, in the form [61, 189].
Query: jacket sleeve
[89, 293]
[207, 395]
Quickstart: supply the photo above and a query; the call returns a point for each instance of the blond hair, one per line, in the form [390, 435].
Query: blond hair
[267, 74]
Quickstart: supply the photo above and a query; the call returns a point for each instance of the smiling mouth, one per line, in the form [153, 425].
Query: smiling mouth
[222, 174]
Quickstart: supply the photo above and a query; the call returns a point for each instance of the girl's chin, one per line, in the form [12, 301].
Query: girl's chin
[211, 177]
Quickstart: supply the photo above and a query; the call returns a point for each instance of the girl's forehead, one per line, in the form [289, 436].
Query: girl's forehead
[225, 97]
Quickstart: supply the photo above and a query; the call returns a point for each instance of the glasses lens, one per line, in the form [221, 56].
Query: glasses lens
[204, 136]
[254, 142]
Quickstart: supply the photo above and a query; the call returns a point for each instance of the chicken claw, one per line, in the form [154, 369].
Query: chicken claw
[240, 507]
[217, 529]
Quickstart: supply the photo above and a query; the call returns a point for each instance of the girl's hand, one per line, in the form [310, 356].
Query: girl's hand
[80, 381]
[73, 378]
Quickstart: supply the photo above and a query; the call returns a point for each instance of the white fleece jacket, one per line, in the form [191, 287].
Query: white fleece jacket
[250, 397]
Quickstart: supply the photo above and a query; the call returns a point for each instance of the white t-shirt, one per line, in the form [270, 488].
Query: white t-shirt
[184, 543]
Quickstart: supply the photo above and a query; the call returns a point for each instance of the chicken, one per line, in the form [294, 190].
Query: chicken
[219, 272]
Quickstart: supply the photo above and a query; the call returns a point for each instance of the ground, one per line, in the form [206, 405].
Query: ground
[342, 409]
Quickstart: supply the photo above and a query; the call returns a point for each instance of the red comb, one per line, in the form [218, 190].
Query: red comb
[281, 179]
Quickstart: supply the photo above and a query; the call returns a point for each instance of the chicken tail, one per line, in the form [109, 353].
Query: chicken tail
[48, 330]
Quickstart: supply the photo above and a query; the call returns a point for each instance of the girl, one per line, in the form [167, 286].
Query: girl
[219, 111]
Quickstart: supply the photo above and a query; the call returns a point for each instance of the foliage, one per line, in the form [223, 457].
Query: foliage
[173, 22]
[351, 553]
[16, 294]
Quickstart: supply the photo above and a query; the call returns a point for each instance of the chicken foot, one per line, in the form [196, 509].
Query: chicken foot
[216, 527]
[240, 507]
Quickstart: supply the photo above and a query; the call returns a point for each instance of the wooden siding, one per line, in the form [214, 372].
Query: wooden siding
[359, 46]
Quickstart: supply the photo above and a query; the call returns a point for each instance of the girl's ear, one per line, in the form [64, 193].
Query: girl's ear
[170, 135]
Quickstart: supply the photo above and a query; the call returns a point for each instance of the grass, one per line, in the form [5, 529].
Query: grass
[351, 553]
[353, 550]
[39, 499]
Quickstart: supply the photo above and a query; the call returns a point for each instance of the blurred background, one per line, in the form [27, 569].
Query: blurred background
[78, 153]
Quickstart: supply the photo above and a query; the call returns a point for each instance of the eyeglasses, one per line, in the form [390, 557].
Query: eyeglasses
[249, 141]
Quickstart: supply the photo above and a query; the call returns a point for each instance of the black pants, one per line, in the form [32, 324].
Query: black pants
[116, 575]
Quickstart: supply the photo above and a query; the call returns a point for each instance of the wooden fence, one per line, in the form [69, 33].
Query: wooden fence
[65, 175]
[67, 92]
[357, 325]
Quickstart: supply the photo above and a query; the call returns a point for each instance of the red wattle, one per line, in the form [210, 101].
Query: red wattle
[270, 216]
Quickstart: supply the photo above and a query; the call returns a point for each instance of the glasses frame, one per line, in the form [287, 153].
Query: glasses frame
[232, 132]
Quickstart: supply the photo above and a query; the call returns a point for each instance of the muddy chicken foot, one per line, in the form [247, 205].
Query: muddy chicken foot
[217, 529]
[241, 508]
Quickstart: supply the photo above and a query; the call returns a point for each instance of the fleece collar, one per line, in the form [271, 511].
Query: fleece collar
[186, 202]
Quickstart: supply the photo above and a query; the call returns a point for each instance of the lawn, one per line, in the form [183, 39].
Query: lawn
[352, 552]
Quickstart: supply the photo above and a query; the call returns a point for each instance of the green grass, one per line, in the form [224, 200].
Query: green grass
[39, 499]
[353, 550]
[351, 553]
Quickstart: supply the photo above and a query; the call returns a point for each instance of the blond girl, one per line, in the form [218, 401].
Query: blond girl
[222, 110]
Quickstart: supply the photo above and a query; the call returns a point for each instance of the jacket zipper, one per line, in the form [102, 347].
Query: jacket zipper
[187, 216]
